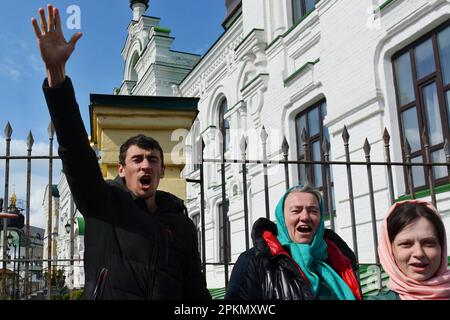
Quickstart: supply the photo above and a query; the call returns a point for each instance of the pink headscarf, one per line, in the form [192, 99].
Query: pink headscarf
[435, 288]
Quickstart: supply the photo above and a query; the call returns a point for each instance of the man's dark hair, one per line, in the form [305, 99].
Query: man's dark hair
[407, 213]
[143, 142]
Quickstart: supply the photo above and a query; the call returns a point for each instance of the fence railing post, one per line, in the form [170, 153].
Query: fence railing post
[366, 149]
[243, 147]
[202, 203]
[386, 139]
[30, 142]
[226, 240]
[71, 241]
[409, 174]
[305, 143]
[51, 133]
[264, 137]
[285, 151]
[430, 175]
[326, 155]
[8, 133]
[346, 138]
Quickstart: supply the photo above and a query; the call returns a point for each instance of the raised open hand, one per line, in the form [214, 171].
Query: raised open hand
[55, 50]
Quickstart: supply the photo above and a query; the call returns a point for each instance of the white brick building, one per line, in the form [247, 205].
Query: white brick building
[366, 64]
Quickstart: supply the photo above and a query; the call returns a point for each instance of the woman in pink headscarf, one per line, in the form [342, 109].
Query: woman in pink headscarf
[413, 252]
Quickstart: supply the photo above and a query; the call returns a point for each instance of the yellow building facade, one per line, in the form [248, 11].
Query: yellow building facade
[115, 118]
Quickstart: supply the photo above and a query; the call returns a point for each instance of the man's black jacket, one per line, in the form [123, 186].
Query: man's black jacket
[129, 253]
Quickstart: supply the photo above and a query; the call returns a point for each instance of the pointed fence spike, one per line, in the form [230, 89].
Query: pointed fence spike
[345, 135]
[386, 136]
[285, 146]
[407, 148]
[424, 137]
[326, 146]
[264, 134]
[51, 130]
[30, 140]
[8, 130]
[304, 135]
[366, 147]
[243, 144]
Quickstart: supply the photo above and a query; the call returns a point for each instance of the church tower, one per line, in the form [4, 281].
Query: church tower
[151, 67]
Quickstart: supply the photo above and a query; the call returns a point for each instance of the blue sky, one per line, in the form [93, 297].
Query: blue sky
[95, 67]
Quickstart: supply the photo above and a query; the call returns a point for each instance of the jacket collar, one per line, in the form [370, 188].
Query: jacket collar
[267, 227]
[264, 236]
[265, 241]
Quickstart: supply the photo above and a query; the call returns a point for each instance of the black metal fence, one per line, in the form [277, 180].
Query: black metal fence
[326, 167]
[30, 275]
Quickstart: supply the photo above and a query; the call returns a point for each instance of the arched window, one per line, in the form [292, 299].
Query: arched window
[224, 125]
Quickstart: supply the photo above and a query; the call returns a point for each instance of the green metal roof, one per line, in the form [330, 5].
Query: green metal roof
[146, 102]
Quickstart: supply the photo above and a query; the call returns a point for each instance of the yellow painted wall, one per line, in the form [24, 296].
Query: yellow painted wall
[112, 126]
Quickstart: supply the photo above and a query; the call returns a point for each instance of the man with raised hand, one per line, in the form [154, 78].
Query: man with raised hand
[139, 243]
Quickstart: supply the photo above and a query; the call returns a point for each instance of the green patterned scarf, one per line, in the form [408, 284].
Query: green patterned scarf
[311, 257]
